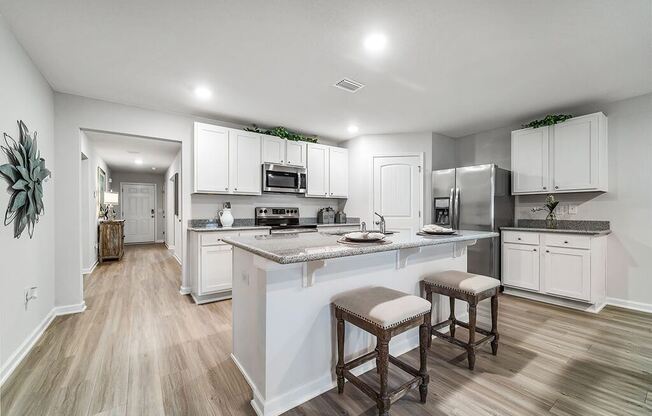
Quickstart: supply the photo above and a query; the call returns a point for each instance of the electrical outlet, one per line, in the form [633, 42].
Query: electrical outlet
[31, 293]
[572, 209]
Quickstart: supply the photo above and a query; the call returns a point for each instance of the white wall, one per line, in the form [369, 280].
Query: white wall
[443, 152]
[493, 146]
[89, 199]
[25, 262]
[171, 238]
[628, 204]
[120, 177]
[361, 152]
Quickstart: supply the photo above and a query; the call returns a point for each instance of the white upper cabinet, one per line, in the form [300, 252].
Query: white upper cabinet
[338, 172]
[575, 150]
[327, 171]
[317, 173]
[273, 149]
[211, 148]
[283, 152]
[530, 160]
[567, 157]
[244, 161]
[295, 153]
[227, 161]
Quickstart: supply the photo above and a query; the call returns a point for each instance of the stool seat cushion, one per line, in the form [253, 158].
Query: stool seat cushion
[462, 281]
[382, 306]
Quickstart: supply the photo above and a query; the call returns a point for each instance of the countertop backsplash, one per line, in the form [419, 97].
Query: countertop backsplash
[242, 206]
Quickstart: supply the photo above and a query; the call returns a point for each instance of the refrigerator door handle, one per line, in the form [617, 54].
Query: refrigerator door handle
[451, 208]
[457, 209]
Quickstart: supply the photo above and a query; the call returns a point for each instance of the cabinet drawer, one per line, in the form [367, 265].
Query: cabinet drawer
[209, 239]
[518, 237]
[567, 240]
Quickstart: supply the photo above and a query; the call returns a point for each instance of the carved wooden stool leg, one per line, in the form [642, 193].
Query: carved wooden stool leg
[429, 299]
[471, 347]
[383, 358]
[452, 316]
[424, 336]
[494, 323]
[340, 353]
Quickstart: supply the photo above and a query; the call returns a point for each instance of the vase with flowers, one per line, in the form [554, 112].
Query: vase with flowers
[550, 206]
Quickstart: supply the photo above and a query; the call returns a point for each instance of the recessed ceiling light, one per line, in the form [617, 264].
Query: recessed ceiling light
[375, 42]
[138, 161]
[203, 93]
[352, 129]
[153, 168]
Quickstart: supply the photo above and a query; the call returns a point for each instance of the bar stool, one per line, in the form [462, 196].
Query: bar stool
[471, 288]
[385, 313]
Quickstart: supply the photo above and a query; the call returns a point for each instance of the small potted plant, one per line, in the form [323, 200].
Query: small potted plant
[550, 205]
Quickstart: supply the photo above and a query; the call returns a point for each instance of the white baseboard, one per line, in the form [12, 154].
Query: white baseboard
[177, 259]
[89, 270]
[25, 348]
[568, 303]
[68, 309]
[19, 355]
[169, 247]
[628, 304]
[184, 290]
[159, 241]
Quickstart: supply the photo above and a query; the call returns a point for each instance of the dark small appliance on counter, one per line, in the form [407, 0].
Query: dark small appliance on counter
[326, 216]
[340, 217]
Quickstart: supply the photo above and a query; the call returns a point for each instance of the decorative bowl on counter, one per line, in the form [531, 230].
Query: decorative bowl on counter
[364, 237]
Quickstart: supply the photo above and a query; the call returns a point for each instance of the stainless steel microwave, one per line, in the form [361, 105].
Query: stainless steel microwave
[279, 178]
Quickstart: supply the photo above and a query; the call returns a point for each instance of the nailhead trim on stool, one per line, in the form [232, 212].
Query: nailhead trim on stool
[384, 398]
[457, 285]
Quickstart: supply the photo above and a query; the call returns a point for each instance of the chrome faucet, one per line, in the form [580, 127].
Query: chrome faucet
[363, 227]
[381, 223]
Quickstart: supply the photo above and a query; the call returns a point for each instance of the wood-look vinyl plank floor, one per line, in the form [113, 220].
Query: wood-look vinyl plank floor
[143, 349]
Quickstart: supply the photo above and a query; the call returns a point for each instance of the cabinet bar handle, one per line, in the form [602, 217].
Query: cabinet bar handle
[534, 249]
[547, 251]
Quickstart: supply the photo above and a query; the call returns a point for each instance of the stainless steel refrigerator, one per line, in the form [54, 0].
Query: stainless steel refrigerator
[475, 198]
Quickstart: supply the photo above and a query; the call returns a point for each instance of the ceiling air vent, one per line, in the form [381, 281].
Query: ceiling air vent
[349, 85]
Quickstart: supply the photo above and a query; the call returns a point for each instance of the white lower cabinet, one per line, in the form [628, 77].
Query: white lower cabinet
[521, 266]
[555, 265]
[211, 263]
[215, 268]
[567, 272]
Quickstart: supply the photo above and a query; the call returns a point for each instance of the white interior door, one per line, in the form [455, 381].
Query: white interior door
[139, 212]
[398, 192]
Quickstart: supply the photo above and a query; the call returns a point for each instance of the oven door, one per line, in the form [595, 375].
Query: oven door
[283, 179]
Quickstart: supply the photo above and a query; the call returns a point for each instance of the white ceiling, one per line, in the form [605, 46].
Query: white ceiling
[453, 67]
[120, 151]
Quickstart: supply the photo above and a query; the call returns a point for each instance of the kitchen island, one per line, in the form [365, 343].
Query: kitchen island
[283, 327]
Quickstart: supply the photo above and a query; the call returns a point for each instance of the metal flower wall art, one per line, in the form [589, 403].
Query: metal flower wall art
[25, 174]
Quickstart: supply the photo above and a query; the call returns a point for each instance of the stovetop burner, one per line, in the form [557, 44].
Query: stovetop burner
[282, 220]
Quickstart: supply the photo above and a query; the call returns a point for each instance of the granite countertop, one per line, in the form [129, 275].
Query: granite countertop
[298, 248]
[208, 228]
[563, 227]
[204, 225]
